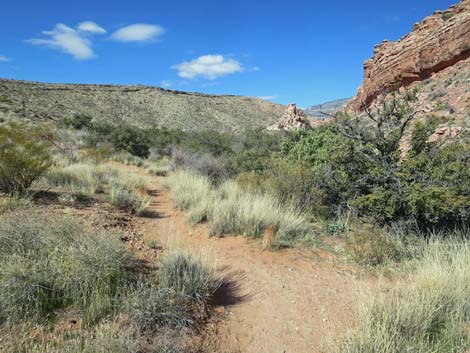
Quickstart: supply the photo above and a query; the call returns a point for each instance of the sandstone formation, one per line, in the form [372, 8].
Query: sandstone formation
[436, 43]
[292, 119]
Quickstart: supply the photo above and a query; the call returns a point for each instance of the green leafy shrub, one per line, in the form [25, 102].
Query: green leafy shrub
[24, 156]
[132, 140]
[78, 121]
[358, 162]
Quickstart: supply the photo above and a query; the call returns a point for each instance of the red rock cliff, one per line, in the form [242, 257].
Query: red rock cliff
[439, 41]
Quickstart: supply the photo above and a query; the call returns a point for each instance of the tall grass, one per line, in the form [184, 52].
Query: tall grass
[47, 264]
[428, 311]
[104, 338]
[122, 189]
[50, 267]
[231, 210]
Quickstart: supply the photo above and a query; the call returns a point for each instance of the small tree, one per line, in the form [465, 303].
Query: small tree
[24, 156]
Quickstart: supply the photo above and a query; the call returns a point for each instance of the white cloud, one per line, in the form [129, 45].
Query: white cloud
[68, 40]
[91, 27]
[139, 32]
[208, 66]
[4, 58]
[166, 83]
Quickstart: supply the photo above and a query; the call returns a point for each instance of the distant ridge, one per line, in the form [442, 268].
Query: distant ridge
[328, 108]
[137, 105]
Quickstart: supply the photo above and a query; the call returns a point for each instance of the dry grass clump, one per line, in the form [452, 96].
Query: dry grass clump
[104, 338]
[50, 268]
[47, 264]
[190, 274]
[426, 312]
[122, 189]
[11, 203]
[231, 210]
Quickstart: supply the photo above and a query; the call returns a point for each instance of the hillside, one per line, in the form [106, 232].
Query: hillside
[328, 108]
[141, 106]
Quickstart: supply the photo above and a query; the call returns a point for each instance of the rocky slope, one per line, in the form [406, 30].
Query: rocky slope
[137, 105]
[439, 42]
[332, 107]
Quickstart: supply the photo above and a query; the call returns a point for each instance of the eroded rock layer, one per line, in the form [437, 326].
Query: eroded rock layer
[436, 43]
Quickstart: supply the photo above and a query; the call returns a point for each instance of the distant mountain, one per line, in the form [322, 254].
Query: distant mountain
[141, 106]
[328, 108]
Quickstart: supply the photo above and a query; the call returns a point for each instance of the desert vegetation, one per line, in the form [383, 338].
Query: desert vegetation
[391, 198]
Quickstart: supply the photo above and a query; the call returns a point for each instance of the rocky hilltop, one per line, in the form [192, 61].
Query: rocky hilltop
[437, 43]
[136, 105]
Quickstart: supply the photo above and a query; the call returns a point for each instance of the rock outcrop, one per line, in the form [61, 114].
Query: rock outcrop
[436, 43]
[292, 119]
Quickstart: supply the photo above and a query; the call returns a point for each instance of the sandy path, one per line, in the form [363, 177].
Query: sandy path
[287, 301]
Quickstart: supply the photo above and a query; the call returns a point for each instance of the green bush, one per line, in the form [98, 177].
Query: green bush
[24, 156]
[132, 140]
[78, 121]
[358, 162]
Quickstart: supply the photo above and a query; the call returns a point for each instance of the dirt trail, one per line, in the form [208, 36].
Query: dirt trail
[287, 301]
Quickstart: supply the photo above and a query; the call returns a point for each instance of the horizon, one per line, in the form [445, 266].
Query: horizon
[261, 49]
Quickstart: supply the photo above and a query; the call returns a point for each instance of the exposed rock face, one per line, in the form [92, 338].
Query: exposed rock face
[292, 119]
[436, 43]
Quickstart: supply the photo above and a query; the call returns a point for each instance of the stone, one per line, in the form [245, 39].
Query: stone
[292, 119]
[436, 43]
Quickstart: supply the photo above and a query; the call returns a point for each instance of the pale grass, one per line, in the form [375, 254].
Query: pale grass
[427, 311]
[229, 209]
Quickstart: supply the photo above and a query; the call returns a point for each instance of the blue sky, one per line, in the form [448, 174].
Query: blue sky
[298, 51]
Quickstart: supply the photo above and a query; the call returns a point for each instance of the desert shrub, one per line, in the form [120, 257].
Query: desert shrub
[132, 140]
[152, 307]
[358, 162]
[12, 203]
[187, 189]
[81, 177]
[189, 275]
[50, 263]
[294, 185]
[437, 179]
[78, 121]
[123, 189]
[101, 153]
[372, 246]
[203, 164]
[127, 158]
[124, 195]
[24, 156]
[429, 312]
[252, 151]
[186, 284]
[159, 167]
